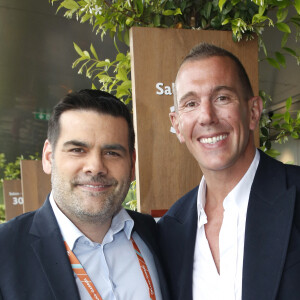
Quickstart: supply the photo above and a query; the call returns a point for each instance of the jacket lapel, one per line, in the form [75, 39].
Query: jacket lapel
[268, 226]
[184, 223]
[189, 240]
[49, 249]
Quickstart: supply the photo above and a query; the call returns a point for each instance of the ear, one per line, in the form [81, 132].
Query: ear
[47, 157]
[255, 109]
[174, 118]
[133, 165]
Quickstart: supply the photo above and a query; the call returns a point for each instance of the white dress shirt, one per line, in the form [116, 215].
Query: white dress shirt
[112, 266]
[208, 284]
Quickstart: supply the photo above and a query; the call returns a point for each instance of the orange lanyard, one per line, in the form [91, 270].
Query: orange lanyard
[88, 284]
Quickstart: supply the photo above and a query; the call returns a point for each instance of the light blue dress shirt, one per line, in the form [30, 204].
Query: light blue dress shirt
[112, 265]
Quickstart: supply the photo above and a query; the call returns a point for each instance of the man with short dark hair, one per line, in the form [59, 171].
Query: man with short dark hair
[81, 244]
[236, 235]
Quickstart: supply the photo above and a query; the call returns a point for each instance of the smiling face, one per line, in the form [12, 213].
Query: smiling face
[214, 119]
[91, 167]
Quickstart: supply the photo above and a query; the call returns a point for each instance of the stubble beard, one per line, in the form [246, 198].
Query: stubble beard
[71, 200]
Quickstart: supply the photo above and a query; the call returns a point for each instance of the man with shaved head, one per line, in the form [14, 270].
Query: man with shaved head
[236, 235]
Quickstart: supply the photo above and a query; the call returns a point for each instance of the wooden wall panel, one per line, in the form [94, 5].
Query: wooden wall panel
[165, 168]
[36, 185]
[13, 199]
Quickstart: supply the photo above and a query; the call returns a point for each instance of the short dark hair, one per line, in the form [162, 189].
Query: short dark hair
[94, 100]
[205, 50]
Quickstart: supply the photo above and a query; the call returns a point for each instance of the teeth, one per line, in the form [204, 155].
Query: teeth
[93, 186]
[213, 140]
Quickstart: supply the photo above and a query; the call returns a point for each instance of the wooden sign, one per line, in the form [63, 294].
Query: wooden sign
[165, 168]
[36, 184]
[13, 199]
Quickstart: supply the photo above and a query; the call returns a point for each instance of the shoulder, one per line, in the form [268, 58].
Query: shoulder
[15, 233]
[140, 218]
[17, 225]
[183, 207]
[270, 167]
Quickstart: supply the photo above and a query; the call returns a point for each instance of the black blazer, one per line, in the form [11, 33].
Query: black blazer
[271, 267]
[33, 260]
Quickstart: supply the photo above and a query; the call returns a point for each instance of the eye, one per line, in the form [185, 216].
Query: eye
[77, 150]
[189, 105]
[112, 153]
[222, 99]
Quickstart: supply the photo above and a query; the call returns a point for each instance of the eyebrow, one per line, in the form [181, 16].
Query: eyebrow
[77, 143]
[185, 96]
[224, 87]
[214, 90]
[118, 147]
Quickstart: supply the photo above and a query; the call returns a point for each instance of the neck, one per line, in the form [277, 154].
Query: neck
[220, 183]
[95, 231]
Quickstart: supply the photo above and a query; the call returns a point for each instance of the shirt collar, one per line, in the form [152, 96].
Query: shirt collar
[70, 233]
[239, 196]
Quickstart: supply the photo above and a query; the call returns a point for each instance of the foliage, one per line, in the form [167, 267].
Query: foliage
[120, 84]
[278, 127]
[2, 213]
[130, 201]
[11, 170]
[243, 17]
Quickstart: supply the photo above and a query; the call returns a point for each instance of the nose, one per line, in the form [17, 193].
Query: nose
[94, 164]
[206, 113]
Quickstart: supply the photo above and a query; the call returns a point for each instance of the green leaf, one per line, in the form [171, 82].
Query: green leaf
[94, 51]
[273, 153]
[120, 56]
[102, 63]
[281, 14]
[273, 62]
[280, 58]
[284, 39]
[221, 4]
[85, 18]
[294, 135]
[168, 12]
[290, 51]
[277, 116]
[283, 27]
[287, 127]
[287, 118]
[78, 50]
[129, 22]
[207, 9]
[122, 75]
[104, 78]
[126, 37]
[70, 4]
[156, 20]
[140, 6]
[77, 61]
[297, 6]
[264, 131]
[226, 21]
[177, 11]
[86, 54]
[288, 103]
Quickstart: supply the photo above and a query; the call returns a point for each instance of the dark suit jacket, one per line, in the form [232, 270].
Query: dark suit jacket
[33, 260]
[271, 267]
